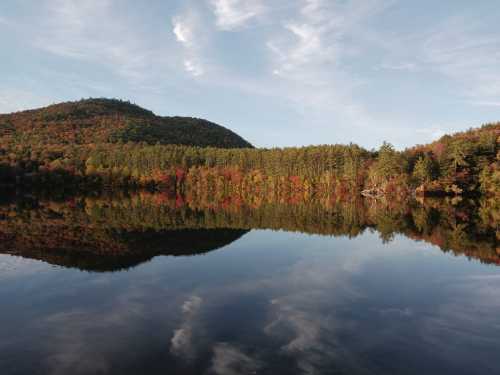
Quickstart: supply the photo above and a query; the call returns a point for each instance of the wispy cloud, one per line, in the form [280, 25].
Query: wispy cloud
[193, 67]
[187, 30]
[234, 14]
[311, 63]
[229, 360]
[91, 31]
[183, 31]
[303, 46]
[317, 38]
[460, 49]
[181, 342]
[310, 55]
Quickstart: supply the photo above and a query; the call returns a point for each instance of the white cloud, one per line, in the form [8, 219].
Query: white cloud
[185, 26]
[303, 44]
[298, 318]
[309, 55]
[317, 62]
[229, 360]
[182, 31]
[181, 342]
[193, 67]
[309, 49]
[316, 41]
[234, 14]
[192, 305]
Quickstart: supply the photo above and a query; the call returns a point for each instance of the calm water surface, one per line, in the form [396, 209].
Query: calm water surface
[252, 302]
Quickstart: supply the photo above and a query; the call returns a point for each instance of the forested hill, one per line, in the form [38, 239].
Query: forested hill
[99, 143]
[112, 121]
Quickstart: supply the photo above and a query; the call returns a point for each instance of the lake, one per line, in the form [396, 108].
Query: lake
[145, 283]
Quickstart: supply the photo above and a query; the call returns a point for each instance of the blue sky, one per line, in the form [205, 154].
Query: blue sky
[278, 72]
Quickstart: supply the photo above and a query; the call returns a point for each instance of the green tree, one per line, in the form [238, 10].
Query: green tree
[459, 150]
[389, 164]
[423, 170]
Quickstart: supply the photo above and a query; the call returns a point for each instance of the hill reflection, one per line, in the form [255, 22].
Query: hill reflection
[111, 233]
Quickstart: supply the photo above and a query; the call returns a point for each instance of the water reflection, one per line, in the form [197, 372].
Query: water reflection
[111, 233]
[361, 298]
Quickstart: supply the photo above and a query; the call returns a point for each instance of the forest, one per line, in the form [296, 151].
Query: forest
[129, 176]
[103, 144]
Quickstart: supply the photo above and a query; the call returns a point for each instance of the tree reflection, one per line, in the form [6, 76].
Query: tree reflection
[119, 231]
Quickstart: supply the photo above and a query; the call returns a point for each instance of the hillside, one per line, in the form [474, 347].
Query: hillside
[109, 144]
[112, 121]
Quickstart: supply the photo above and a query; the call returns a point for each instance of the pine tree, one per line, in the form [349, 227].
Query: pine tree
[422, 171]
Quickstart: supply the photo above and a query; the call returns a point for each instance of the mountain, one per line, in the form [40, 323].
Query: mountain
[112, 121]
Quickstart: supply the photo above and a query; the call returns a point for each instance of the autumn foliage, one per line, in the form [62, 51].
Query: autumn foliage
[101, 144]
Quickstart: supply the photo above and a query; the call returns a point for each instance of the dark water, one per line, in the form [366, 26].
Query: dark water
[157, 286]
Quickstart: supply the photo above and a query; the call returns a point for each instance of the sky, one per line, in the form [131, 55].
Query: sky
[277, 72]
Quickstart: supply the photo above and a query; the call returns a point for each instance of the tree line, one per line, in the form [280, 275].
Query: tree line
[465, 163]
